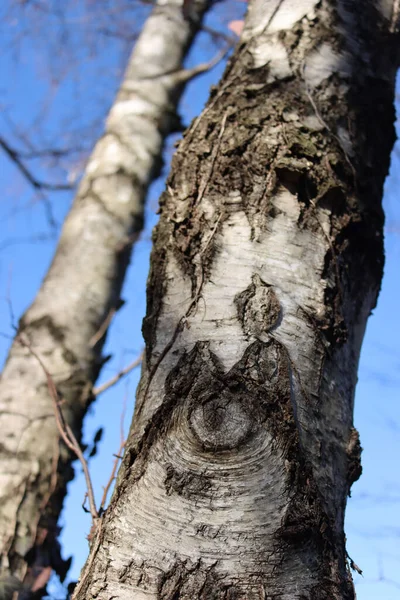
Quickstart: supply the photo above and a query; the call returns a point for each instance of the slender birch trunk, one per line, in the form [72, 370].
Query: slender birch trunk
[267, 262]
[65, 323]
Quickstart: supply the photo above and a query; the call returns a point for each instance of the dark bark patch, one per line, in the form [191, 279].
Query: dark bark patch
[327, 589]
[186, 581]
[264, 371]
[186, 484]
[4, 451]
[307, 530]
[304, 521]
[333, 199]
[46, 322]
[155, 290]
[258, 307]
[224, 410]
[221, 411]
[219, 421]
[195, 239]
[353, 452]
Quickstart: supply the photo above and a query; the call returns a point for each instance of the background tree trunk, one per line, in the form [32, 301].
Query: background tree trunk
[267, 261]
[65, 323]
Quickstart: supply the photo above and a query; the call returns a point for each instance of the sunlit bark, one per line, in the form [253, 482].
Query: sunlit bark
[267, 262]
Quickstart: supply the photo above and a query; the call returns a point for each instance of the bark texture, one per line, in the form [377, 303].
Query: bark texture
[65, 323]
[267, 262]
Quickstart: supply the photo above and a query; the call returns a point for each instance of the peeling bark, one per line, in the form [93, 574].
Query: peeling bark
[81, 289]
[267, 261]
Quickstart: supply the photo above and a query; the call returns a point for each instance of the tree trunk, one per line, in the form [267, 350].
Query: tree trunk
[65, 324]
[267, 262]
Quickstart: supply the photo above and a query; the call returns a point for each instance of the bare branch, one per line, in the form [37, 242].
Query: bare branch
[118, 457]
[184, 75]
[48, 153]
[107, 32]
[105, 386]
[187, 74]
[215, 35]
[103, 327]
[38, 185]
[33, 239]
[64, 429]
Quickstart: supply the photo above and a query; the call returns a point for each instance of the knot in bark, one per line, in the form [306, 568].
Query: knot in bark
[219, 421]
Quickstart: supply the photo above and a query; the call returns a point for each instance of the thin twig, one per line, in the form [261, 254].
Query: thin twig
[103, 328]
[201, 254]
[117, 305]
[105, 386]
[184, 75]
[31, 239]
[48, 152]
[64, 429]
[8, 299]
[92, 555]
[188, 138]
[216, 34]
[36, 183]
[118, 457]
[187, 74]
[38, 186]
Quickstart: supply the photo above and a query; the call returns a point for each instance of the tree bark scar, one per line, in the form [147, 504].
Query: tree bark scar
[258, 307]
[221, 413]
[224, 410]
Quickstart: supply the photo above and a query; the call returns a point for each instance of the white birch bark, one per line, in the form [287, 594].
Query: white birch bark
[266, 264]
[82, 287]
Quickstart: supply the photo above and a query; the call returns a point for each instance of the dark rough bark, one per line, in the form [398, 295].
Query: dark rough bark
[267, 261]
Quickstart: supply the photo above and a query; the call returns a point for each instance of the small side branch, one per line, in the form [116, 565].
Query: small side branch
[35, 183]
[100, 333]
[105, 386]
[118, 457]
[64, 429]
[184, 75]
[216, 35]
[39, 186]
[188, 74]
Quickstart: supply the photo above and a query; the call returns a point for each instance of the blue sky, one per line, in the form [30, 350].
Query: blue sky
[76, 112]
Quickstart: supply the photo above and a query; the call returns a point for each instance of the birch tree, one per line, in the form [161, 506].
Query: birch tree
[64, 329]
[267, 261]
